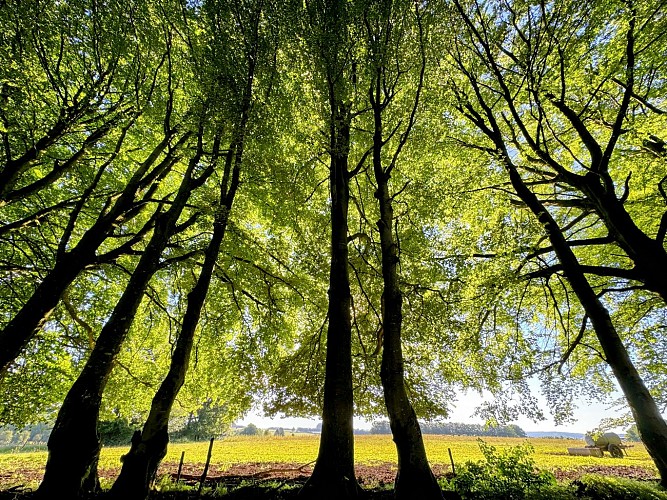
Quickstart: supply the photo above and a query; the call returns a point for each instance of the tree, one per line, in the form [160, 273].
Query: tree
[250, 430]
[511, 130]
[333, 475]
[99, 89]
[150, 446]
[74, 447]
[384, 31]
[632, 434]
[380, 427]
[123, 131]
[68, 88]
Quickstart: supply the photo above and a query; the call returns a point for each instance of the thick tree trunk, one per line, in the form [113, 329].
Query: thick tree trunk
[333, 475]
[652, 427]
[74, 445]
[648, 254]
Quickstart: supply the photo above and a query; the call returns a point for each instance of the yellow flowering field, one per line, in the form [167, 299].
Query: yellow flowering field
[369, 449]
[550, 454]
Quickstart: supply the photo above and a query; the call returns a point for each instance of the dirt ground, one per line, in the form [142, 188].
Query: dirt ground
[271, 476]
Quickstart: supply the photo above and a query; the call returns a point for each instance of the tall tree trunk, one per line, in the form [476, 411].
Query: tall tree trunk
[650, 424]
[149, 446]
[414, 478]
[36, 311]
[74, 446]
[333, 476]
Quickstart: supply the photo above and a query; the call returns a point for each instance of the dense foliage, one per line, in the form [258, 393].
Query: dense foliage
[357, 205]
[510, 474]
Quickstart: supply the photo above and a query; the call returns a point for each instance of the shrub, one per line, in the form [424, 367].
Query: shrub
[510, 475]
[615, 488]
[116, 432]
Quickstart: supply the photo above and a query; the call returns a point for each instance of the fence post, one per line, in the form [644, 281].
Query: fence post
[208, 461]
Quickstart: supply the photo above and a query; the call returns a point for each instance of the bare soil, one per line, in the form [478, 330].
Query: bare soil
[267, 480]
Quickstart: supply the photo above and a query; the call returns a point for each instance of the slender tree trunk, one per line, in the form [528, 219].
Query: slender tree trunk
[597, 186]
[74, 446]
[333, 475]
[149, 446]
[652, 427]
[414, 479]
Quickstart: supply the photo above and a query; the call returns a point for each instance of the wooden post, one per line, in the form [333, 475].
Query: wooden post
[208, 461]
[180, 466]
[451, 459]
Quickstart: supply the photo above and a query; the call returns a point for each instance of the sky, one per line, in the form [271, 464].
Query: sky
[587, 416]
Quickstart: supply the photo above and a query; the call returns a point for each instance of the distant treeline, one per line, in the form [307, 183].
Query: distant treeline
[14, 436]
[456, 429]
[119, 431]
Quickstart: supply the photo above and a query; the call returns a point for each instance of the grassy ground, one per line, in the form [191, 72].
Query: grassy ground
[26, 468]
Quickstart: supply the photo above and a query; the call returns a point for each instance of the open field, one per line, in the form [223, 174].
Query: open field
[373, 450]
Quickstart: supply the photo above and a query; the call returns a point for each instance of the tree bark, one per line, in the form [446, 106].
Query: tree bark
[74, 446]
[650, 424]
[414, 478]
[149, 446]
[333, 476]
[647, 254]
